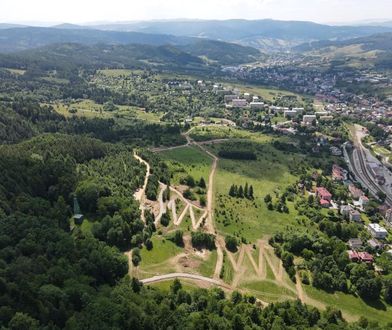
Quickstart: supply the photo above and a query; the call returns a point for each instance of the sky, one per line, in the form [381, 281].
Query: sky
[84, 11]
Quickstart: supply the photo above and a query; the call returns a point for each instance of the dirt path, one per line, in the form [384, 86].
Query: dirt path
[141, 194]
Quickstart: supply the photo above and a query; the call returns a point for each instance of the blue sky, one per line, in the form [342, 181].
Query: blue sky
[82, 11]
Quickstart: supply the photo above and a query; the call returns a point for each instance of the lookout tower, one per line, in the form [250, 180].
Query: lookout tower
[78, 216]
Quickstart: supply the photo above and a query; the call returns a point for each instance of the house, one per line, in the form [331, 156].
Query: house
[388, 217]
[353, 255]
[345, 211]
[325, 203]
[355, 243]
[375, 244]
[366, 257]
[377, 231]
[335, 151]
[323, 193]
[338, 173]
[308, 119]
[383, 209]
[363, 200]
[355, 192]
[240, 103]
[354, 215]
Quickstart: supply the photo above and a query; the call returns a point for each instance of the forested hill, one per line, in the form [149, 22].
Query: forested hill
[382, 41]
[375, 49]
[15, 39]
[72, 56]
[19, 39]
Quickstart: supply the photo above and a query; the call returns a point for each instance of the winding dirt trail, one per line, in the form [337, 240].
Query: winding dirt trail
[140, 195]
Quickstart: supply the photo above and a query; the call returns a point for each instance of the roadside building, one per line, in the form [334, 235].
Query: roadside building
[388, 217]
[377, 231]
[355, 192]
[363, 201]
[338, 173]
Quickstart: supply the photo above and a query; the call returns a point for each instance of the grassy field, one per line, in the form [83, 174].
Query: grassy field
[352, 307]
[90, 109]
[187, 161]
[268, 174]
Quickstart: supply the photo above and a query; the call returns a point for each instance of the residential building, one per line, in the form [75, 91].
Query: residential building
[290, 113]
[257, 105]
[375, 244]
[338, 173]
[308, 119]
[240, 103]
[353, 255]
[355, 243]
[355, 192]
[354, 215]
[363, 200]
[324, 195]
[229, 98]
[377, 231]
[366, 257]
[345, 211]
[388, 217]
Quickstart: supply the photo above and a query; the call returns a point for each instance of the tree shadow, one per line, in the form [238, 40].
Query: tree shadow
[377, 304]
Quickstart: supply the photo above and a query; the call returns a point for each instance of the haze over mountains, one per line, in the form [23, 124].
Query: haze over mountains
[227, 42]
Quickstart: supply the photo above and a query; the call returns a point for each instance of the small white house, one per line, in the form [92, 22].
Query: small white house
[377, 231]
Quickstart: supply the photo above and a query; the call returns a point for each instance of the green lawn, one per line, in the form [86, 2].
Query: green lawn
[163, 250]
[269, 291]
[207, 267]
[188, 161]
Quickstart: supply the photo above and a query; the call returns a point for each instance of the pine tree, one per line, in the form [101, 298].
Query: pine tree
[241, 192]
[246, 190]
[232, 191]
[251, 192]
[202, 183]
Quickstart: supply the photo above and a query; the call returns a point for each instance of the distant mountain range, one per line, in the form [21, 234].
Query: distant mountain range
[264, 34]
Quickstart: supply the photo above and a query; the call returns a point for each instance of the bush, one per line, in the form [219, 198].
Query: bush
[231, 243]
[177, 238]
[202, 240]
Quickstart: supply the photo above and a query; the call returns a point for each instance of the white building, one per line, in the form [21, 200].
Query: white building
[299, 110]
[377, 231]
